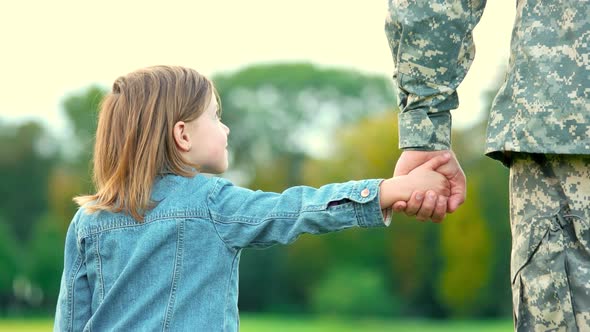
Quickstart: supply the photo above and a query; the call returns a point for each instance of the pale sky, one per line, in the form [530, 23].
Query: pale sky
[49, 49]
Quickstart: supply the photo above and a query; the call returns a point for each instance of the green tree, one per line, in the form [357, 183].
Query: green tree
[488, 185]
[72, 176]
[45, 263]
[493, 190]
[9, 264]
[25, 160]
[275, 113]
[64, 184]
[408, 249]
[467, 252]
[81, 110]
[435, 270]
[354, 291]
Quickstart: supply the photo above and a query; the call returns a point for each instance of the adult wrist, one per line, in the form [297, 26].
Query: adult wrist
[422, 131]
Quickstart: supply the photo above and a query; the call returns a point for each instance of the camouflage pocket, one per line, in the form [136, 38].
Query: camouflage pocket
[549, 271]
[526, 239]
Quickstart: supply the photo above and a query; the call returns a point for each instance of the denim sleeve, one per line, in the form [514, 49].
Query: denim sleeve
[432, 47]
[73, 303]
[245, 218]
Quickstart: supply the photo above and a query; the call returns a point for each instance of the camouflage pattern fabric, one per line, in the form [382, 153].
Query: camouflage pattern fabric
[550, 268]
[543, 105]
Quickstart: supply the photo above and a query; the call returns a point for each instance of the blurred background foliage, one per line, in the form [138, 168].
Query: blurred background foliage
[291, 124]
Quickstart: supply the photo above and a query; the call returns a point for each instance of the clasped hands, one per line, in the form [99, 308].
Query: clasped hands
[432, 205]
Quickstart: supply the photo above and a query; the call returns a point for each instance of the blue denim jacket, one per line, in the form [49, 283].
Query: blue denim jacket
[178, 270]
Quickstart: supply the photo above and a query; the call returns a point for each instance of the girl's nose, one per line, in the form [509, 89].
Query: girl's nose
[226, 129]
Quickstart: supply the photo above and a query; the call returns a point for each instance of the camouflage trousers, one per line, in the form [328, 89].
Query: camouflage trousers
[550, 263]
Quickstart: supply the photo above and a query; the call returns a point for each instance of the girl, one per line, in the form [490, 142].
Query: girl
[157, 246]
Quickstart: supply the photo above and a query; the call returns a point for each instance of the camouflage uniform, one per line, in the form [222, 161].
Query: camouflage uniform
[551, 242]
[542, 109]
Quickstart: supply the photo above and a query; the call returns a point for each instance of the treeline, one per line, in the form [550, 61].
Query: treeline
[290, 124]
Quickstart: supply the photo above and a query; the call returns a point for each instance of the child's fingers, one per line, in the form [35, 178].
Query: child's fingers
[399, 206]
[440, 210]
[414, 204]
[437, 161]
[427, 207]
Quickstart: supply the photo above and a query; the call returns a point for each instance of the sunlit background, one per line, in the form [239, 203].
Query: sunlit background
[307, 92]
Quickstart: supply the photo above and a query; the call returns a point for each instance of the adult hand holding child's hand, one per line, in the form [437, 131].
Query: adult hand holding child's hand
[419, 180]
[429, 205]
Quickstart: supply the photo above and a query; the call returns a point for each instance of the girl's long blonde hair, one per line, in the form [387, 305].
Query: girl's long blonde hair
[134, 137]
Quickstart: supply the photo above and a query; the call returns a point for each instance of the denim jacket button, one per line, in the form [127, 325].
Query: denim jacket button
[365, 192]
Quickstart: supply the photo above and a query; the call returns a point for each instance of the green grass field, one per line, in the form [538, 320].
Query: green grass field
[264, 323]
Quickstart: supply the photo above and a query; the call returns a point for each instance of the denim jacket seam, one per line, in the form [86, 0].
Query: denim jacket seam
[367, 212]
[356, 203]
[317, 207]
[228, 286]
[71, 309]
[358, 208]
[176, 275]
[214, 191]
[212, 216]
[99, 268]
[285, 214]
[361, 210]
[255, 221]
[92, 230]
[218, 218]
[88, 327]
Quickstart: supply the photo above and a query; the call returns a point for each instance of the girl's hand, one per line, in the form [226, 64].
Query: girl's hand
[420, 180]
[409, 160]
[431, 190]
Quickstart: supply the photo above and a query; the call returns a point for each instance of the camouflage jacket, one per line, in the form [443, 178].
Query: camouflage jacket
[543, 105]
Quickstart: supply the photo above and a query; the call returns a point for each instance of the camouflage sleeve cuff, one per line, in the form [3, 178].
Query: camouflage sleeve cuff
[419, 130]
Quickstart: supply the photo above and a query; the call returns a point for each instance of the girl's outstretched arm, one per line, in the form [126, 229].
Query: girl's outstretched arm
[246, 218]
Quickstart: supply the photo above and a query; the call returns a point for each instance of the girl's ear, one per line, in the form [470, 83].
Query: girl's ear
[181, 137]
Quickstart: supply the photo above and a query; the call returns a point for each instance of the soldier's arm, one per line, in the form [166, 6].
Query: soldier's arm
[432, 47]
